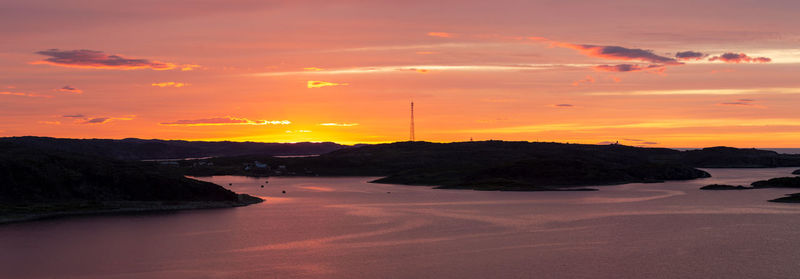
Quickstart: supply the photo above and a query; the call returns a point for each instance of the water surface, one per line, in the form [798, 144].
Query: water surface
[347, 228]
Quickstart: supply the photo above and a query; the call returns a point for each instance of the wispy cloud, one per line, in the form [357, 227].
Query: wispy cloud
[654, 124]
[190, 67]
[586, 80]
[70, 89]
[312, 69]
[701, 92]
[563, 106]
[723, 71]
[421, 71]
[339, 124]
[227, 120]
[741, 102]
[170, 84]
[24, 94]
[92, 120]
[408, 68]
[440, 34]
[97, 120]
[93, 59]
[739, 58]
[105, 119]
[319, 84]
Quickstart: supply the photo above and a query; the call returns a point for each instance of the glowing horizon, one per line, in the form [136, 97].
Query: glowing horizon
[577, 72]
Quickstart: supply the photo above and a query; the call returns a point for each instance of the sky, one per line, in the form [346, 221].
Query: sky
[643, 73]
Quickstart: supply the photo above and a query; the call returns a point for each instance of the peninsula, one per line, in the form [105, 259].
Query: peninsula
[39, 183]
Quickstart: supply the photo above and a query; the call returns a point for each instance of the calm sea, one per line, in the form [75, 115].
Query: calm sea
[347, 228]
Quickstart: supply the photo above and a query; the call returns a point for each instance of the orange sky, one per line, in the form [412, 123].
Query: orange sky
[649, 73]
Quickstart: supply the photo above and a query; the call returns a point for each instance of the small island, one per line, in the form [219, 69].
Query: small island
[724, 187]
[779, 182]
[790, 198]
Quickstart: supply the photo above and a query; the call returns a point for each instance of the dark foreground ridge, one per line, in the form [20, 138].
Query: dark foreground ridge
[37, 183]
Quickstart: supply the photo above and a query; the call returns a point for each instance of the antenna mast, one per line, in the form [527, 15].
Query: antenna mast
[411, 138]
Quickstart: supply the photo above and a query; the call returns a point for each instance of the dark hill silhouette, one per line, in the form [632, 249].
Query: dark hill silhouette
[44, 182]
[729, 157]
[141, 149]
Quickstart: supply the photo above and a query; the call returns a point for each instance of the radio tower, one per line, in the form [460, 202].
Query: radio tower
[411, 138]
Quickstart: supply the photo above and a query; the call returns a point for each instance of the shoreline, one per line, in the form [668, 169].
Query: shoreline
[121, 207]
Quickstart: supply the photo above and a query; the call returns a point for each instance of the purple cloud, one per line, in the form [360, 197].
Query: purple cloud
[93, 59]
[730, 57]
[70, 89]
[689, 55]
[621, 68]
[98, 120]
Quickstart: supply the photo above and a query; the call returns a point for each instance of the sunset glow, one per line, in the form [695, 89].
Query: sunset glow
[719, 73]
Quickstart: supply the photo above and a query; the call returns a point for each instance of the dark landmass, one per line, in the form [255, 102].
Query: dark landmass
[488, 165]
[780, 182]
[790, 198]
[729, 157]
[141, 149]
[36, 183]
[724, 187]
[796, 172]
[504, 157]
